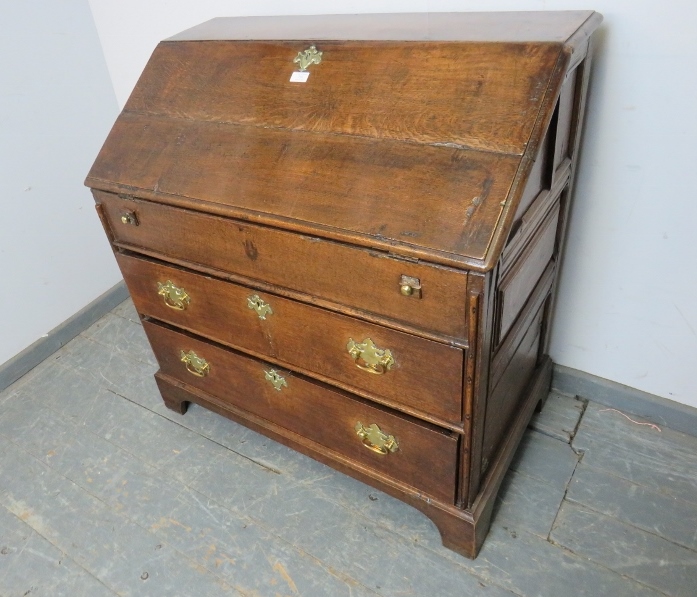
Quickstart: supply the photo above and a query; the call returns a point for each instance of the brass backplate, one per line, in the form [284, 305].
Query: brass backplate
[195, 364]
[174, 296]
[308, 57]
[262, 308]
[369, 357]
[374, 439]
[276, 380]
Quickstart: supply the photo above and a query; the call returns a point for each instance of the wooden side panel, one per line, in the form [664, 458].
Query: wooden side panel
[425, 459]
[517, 285]
[540, 177]
[487, 95]
[306, 338]
[566, 121]
[513, 367]
[579, 81]
[342, 274]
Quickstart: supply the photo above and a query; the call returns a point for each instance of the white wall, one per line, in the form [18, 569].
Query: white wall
[57, 104]
[627, 310]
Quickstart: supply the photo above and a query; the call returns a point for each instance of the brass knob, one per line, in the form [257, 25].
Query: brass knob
[130, 218]
[175, 298]
[410, 286]
[374, 439]
[369, 357]
[195, 364]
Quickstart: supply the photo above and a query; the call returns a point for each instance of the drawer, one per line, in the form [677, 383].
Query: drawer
[344, 275]
[426, 376]
[421, 456]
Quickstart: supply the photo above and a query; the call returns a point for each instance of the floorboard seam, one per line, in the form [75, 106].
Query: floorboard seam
[630, 578]
[476, 574]
[64, 554]
[564, 498]
[124, 316]
[120, 515]
[629, 524]
[271, 530]
[105, 345]
[349, 580]
[614, 441]
[579, 457]
[541, 480]
[653, 489]
[385, 522]
[260, 464]
[125, 517]
[341, 576]
[584, 407]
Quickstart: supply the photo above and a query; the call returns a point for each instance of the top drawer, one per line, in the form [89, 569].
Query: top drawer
[345, 275]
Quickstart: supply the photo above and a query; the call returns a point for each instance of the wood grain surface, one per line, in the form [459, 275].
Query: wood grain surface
[346, 275]
[528, 26]
[487, 96]
[438, 199]
[426, 377]
[426, 457]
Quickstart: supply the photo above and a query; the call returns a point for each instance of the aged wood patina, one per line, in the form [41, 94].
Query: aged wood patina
[345, 232]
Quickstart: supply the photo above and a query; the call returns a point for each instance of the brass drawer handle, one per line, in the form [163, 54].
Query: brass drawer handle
[376, 440]
[276, 380]
[174, 297]
[369, 357]
[129, 218]
[263, 309]
[195, 364]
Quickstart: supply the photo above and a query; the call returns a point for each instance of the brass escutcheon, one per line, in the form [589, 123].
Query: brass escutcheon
[276, 380]
[195, 364]
[263, 309]
[369, 357]
[376, 440]
[176, 298]
[308, 57]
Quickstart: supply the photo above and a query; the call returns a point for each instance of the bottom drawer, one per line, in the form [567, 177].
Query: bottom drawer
[420, 455]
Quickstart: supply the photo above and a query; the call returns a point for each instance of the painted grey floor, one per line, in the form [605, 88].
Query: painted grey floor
[103, 491]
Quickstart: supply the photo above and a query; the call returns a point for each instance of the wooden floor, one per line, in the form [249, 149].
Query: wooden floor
[105, 492]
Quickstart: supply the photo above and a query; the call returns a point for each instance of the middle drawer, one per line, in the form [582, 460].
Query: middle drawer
[417, 375]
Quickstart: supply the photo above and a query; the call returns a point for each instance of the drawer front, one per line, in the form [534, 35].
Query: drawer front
[425, 376]
[423, 457]
[358, 278]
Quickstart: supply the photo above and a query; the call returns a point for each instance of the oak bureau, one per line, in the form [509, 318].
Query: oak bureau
[344, 232]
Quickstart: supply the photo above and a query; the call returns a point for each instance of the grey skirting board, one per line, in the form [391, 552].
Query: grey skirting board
[661, 411]
[43, 348]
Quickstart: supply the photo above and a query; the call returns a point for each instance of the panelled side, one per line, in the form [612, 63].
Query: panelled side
[529, 264]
